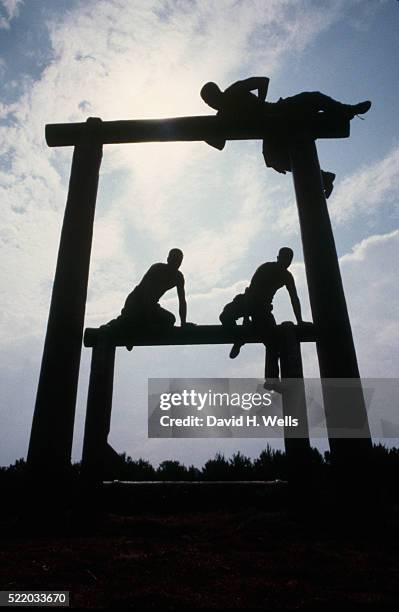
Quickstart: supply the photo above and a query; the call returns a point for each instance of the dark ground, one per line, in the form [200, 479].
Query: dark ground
[223, 550]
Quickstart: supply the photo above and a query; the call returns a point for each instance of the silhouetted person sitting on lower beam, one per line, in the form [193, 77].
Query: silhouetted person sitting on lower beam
[142, 309]
[256, 303]
[239, 104]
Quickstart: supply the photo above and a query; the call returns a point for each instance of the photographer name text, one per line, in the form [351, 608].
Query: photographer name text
[234, 421]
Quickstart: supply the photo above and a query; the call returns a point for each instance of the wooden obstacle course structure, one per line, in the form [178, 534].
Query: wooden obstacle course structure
[53, 422]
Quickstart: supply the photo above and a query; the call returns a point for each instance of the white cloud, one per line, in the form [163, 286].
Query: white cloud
[362, 195]
[367, 190]
[370, 278]
[11, 8]
[372, 294]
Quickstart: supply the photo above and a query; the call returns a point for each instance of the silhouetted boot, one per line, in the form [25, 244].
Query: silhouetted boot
[328, 182]
[350, 110]
[361, 108]
[235, 351]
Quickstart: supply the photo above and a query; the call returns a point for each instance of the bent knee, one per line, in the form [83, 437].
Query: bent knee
[223, 318]
[226, 317]
[170, 319]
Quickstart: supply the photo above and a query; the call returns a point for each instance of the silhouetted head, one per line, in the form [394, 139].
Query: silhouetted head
[175, 258]
[285, 256]
[212, 95]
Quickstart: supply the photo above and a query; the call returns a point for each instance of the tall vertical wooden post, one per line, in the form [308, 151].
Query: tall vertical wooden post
[52, 428]
[335, 347]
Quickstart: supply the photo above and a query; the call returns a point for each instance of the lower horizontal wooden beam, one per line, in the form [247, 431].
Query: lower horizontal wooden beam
[196, 334]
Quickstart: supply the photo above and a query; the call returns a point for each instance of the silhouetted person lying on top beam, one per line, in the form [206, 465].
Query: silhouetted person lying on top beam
[142, 309]
[256, 304]
[238, 103]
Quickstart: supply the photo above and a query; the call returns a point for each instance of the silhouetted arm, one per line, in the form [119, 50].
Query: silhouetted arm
[181, 294]
[296, 305]
[259, 83]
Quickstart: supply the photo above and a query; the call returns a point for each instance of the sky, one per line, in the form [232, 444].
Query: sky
[63, 61]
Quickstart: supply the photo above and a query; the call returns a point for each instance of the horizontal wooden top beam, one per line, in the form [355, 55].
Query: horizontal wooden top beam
[199, 128]
[198, 334]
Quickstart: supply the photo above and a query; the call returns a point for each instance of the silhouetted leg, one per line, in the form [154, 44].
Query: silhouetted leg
[160, 317]
[276, 156]
[235, 351]
[309, 102]
[228, 317]
[123, 326]
[134, 316]
[328, 182]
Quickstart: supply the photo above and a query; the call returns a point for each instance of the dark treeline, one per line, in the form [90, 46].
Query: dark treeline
[270, 465]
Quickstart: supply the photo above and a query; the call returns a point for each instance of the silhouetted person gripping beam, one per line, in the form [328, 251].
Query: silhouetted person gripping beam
[142, 310]
[238, 103]
[256, 304]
